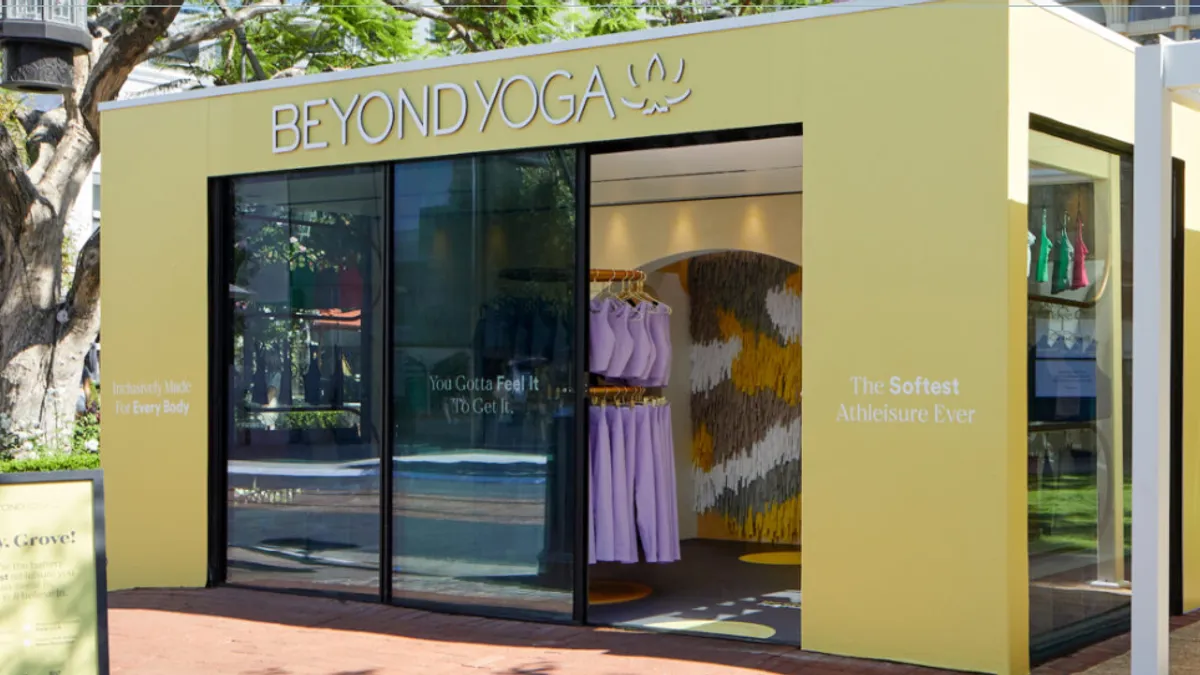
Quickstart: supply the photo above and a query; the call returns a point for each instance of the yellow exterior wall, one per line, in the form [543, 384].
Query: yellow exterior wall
[154, 281]
[1093, 90]
[905, 229]
[915, 182]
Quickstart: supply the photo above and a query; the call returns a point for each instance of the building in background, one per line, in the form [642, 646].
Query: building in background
[1141, 20]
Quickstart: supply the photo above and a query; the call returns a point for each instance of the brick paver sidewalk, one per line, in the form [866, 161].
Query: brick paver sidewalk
[228, 631]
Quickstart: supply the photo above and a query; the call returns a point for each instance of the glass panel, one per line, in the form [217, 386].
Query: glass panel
[26, 9]
[484, 353]
[1144, 10]
[1080, 311]
[60, 10]
[306, 282]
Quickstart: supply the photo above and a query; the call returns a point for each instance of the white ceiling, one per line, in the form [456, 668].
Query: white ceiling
[742, 168]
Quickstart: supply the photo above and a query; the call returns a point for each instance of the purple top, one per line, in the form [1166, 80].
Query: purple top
[659, 324]
[660, 331]
[618, 319]
[600, 336]
[642, 356]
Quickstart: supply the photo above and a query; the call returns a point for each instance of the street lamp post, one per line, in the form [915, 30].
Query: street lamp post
[38, 41]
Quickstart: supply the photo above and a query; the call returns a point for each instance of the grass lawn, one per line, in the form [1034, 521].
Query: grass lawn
[1063, 514]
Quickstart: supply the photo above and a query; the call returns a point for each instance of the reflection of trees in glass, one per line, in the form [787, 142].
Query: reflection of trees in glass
[304, 242]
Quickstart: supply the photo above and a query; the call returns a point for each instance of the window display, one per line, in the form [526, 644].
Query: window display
[1079, 390]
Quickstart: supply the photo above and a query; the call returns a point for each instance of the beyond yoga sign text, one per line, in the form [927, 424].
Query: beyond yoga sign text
[443, 109]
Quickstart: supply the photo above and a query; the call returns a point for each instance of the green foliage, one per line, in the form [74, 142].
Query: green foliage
[316, 36]
[10, 105]
[85, 438]
[524, 22]
[322, 419]
[614, 16]
[51, 463]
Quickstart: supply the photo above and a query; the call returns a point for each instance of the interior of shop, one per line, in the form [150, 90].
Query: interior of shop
[695, 389]
[1079, 323]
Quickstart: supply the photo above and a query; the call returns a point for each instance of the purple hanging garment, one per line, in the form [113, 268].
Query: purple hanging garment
[664, 467]
[602, 504]
[595, 429]
[622, 498]
[631, 442]
[642, 356]
[618, 320]
[600, 337]
[643, 481]
[660, 333]
[668, 534]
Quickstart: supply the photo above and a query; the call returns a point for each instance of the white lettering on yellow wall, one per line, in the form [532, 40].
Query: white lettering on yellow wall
[152, 399]
[905, 400]
[443, 109]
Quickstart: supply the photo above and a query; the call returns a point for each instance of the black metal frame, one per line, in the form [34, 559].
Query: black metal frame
[583, 253]
[1116, 622]
[220, 324]
[218, 387]
[1175, 559]
[387, 442]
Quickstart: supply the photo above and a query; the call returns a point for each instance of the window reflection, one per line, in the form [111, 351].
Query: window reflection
[483, 355]
[304, 444]
[1079, 323]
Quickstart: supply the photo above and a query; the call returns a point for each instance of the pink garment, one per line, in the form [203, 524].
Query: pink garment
[1079, 276]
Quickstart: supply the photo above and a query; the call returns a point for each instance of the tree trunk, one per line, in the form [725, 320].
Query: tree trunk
[44, 337]
[40, 375]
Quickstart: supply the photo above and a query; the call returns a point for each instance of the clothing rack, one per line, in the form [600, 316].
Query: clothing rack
[616, 275]
[614, 389]
[1081, 304]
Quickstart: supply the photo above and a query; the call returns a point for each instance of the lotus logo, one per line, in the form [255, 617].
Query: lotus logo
[648, 107]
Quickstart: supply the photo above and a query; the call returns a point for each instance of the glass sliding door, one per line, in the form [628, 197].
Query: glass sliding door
[483, 388]
[305, 289]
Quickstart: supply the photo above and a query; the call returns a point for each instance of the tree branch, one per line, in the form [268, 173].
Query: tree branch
[17, 191]
[458, 25]
[42, 140]
[240, 33]
[82, 304]
[69, 168]
[212, 29]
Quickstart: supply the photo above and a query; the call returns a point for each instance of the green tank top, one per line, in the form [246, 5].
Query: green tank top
[1043, 259]
[1062, 264]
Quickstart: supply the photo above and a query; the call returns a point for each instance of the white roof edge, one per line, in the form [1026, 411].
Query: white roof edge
[799, 14]
[1086, 23]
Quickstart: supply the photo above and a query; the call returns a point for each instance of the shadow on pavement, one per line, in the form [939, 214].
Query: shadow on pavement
[378, 619]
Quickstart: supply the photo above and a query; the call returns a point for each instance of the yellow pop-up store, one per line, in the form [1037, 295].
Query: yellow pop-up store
[610, 309]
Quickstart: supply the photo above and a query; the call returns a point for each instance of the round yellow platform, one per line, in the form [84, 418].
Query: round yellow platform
[615, 592]
[740, 629]
[773, 558]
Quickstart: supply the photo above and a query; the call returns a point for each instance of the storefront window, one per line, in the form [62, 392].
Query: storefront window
[305, 386]
[1079, 324]
[484, 351]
